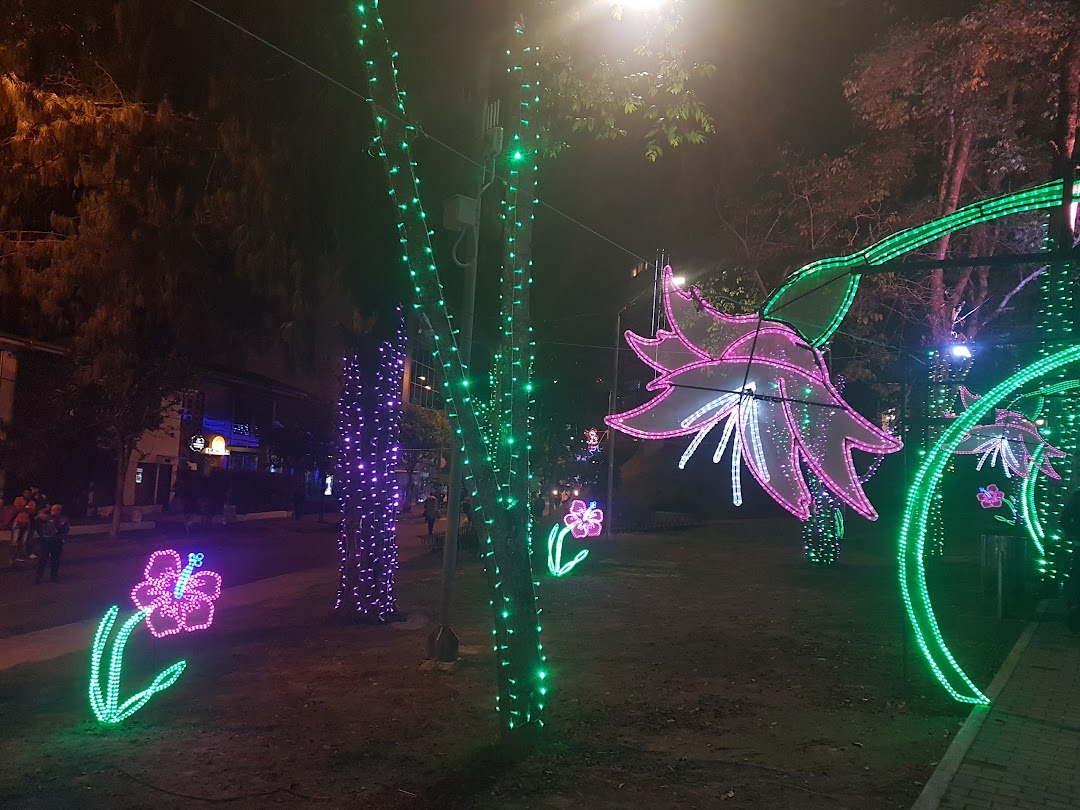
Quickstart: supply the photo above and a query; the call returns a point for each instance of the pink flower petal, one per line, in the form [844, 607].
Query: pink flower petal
[164, 620]
[164, 565]
[196, 613]
[146, 593]
[206, 583]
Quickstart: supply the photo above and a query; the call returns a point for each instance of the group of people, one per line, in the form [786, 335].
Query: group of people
[37, 530]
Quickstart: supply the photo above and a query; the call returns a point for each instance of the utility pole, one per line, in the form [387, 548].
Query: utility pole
[463, 213]
[613, 406]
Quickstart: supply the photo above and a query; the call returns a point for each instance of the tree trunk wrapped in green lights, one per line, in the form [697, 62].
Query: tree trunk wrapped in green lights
[502, 518]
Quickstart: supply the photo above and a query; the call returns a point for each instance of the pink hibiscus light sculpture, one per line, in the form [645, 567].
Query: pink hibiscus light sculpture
[177, 598]
[768, 388]
[1013, 438]
[991, 497]
[584, 521]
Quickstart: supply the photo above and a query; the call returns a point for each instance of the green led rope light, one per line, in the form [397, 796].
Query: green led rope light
[838, 278]
[520, 699]
[106, 704]
[1057, 322]
[556, 566]
[1028, 515]
[913, 528]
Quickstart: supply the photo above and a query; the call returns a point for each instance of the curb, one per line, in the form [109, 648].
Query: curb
[940, 780]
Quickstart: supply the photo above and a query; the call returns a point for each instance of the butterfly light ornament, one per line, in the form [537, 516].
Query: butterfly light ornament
[766, 389]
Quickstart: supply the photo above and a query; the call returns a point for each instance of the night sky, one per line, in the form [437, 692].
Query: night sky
[780, 66]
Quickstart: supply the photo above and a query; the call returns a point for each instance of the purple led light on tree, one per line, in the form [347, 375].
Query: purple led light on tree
[369, 421]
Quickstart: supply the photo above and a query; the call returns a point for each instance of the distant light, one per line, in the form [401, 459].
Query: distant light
[421, 378]
[678, 281]
[576, 493]
[1040, 421]
[554, 492]
[960, 350]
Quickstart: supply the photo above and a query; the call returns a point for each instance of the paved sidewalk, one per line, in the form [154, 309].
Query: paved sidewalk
[44, 645]
[1026, 748]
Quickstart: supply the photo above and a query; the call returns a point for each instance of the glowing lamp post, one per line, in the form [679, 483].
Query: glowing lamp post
[641, 6]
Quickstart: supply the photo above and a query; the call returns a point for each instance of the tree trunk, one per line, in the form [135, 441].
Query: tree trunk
[519, 668]
[940, 314]
[123, 458]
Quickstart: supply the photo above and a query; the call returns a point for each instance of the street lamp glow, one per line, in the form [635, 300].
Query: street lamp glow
[961, 351]
[643, 5]
[678, 281]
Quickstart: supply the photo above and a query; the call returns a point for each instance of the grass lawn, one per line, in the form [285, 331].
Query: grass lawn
[705, 668]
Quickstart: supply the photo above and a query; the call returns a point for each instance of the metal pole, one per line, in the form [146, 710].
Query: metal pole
[443, 641]
[1000, 549]
[613, 403]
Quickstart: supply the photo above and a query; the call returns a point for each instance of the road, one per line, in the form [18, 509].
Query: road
[96, 572]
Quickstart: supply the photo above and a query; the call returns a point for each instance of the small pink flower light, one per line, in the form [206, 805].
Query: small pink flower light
[178, 599]
[584, 521]
[991, 497]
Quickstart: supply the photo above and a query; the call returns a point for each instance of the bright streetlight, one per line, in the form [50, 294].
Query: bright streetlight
[678, 281]
[961, 352]
[642, 5]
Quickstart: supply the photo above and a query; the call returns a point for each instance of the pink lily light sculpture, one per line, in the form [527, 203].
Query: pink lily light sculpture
[178, 600]
[1013, 438]
[768, 389]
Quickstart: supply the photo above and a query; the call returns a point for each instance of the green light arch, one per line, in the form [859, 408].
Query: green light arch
[1029, 516]
[913, 528]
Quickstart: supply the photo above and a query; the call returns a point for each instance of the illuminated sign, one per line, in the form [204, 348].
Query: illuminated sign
[217, 447]
[198, 443]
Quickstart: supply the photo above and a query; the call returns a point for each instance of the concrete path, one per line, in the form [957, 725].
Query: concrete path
[1023, 752]
[44, 645]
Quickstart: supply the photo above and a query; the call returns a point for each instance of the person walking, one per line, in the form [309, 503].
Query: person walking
[7, 518]
[466, 508]
[33, 538]
[52, 528]
[20, 527]
[538, 506]
[431, 513]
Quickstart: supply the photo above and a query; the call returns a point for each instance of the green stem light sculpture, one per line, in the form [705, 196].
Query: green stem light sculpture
[914, 525]
[106, 703]
[556, 566]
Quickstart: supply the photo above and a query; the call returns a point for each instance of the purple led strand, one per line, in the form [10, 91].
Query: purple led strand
[369, 429]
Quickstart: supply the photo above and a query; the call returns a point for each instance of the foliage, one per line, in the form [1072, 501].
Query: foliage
[424, 432]
[601, 89]
[972, 96]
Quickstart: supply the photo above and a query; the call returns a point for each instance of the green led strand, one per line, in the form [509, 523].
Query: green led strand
[556, 567]
[1028, 514]
[829, 285]
[107, 707]
[912, 541]
[1057, 327]
[521, 692]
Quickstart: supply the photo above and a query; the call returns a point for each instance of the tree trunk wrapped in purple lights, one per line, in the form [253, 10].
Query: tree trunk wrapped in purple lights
[369, 421]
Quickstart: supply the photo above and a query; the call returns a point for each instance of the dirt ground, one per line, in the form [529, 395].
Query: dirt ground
[709, 668]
